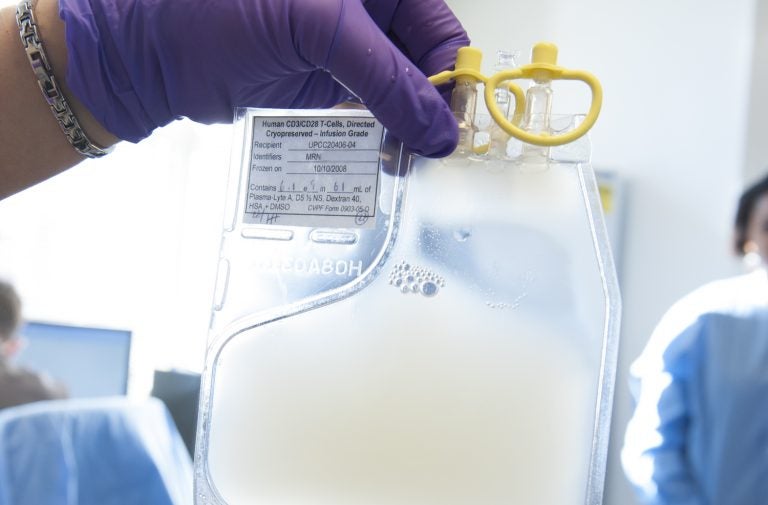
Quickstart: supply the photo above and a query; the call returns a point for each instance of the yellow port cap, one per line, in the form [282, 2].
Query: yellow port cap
[544, 52]
[468, 58]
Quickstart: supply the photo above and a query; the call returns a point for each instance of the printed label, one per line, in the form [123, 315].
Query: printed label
[314, 171]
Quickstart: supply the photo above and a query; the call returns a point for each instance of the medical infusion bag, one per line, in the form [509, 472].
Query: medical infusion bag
[395, 330]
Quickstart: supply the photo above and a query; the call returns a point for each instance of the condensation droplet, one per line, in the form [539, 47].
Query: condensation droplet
[462, 234]
[429, 289]
[370, 51]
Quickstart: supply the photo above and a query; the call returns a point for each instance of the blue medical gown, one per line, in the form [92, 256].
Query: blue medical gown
[699, 433]
[111, 451]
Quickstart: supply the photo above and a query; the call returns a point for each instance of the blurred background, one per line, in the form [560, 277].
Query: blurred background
[130, 243]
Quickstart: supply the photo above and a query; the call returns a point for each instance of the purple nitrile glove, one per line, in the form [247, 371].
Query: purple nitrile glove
[140, 64]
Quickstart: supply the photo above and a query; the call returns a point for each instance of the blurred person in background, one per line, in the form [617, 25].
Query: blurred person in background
[699, 433]
[19, 385]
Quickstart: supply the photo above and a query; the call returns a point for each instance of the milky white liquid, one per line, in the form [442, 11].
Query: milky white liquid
[402, 402]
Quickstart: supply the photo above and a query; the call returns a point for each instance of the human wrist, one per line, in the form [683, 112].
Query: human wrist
[50, 32]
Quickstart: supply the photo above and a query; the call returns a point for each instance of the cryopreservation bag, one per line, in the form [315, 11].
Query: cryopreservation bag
[395, 330]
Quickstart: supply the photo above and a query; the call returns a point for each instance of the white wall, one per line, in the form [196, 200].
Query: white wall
[132, 241]
[756, 164]
[676, 81]
[127, 242]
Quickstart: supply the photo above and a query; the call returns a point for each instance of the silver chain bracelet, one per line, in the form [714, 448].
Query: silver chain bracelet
[48, 85]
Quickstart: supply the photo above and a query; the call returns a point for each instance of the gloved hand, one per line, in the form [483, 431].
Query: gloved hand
[140, 64]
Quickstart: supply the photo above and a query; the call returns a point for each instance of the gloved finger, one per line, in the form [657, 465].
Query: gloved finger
[445, 89]
[426, 31]
[431, 35]
[316, 89]
[365, 61]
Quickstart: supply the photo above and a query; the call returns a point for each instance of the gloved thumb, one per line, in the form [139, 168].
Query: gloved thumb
[367, 63]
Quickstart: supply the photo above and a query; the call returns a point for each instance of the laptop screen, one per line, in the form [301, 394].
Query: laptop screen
[90, 362]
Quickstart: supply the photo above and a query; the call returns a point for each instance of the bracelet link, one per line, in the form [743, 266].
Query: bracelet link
[55, 99]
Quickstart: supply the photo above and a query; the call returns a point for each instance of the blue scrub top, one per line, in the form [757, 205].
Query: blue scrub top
[699, 433]
[105, 451]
